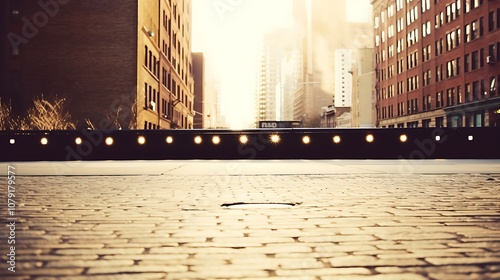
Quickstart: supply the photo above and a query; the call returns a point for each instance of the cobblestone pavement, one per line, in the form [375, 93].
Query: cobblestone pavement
[343, 226]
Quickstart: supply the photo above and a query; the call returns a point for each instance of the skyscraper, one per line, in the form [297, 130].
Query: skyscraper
[120, 64]
[324, 30]
[199, 90]
[276, 74]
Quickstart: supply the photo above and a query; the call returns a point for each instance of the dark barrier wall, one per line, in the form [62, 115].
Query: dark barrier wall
[416, 143]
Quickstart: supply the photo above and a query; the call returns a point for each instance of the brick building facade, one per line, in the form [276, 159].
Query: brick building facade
[124, 62]
[437, 63]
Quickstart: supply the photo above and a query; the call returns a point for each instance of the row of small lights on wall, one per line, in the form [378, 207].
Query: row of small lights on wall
[216, 140]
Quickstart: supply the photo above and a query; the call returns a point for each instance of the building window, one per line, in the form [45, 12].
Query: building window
[146, 95]
[426, 123]
[479, 119]
[440, 122]
[491, 21]
[492, 51]
[475, 60]
[498, 18]
[467, 33]
[468, 92]
[399, 5]
[474, 30]
[459, 95]
[439, 47]
[466, 63]
[439, 99]
[454, 121]
[150, 62]
[439, 73]
[481, 58]
[493, 86]
[427, 77]
[476, 90]
[450, 97]
[426, 29]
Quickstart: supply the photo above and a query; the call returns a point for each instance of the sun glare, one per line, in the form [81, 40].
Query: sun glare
[230, 38]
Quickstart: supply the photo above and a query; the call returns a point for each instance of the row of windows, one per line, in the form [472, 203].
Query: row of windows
[387, 112]
[452, 11]
[412, 60]
[412, 16]
[400, 66]
[150, 125]
[474, 91]
[411, 108]
[183, 124]
[426, 29]
[471, 4]
[453, 39]
[472, 31]
[472, 61]
[453, 68]
[167, 81]
[412, 37]
[473, 119]
[151, 97]
[412, 83]
[481, 89]
[426, 5]
[151, 62]
[162, 107]
[180, 61]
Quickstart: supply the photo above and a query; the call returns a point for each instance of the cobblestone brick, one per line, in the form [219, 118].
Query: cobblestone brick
[348, 226]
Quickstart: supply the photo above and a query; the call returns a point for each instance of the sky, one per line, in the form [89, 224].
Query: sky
[229, 33]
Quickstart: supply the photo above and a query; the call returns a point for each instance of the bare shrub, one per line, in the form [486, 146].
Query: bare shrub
[5, 115]
[120, 118]
[49, 114]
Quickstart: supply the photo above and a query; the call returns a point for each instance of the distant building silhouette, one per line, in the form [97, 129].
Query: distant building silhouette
[199, 90]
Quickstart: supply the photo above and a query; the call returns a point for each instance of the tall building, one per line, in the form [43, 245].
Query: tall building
[275, 74]
[212, 105]
[325, 29]
[199, 90]
[363, 105]
[343, 78]
[291, 77]
[329, 32]
[343, 84]
[120, 64]
[436, 63]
